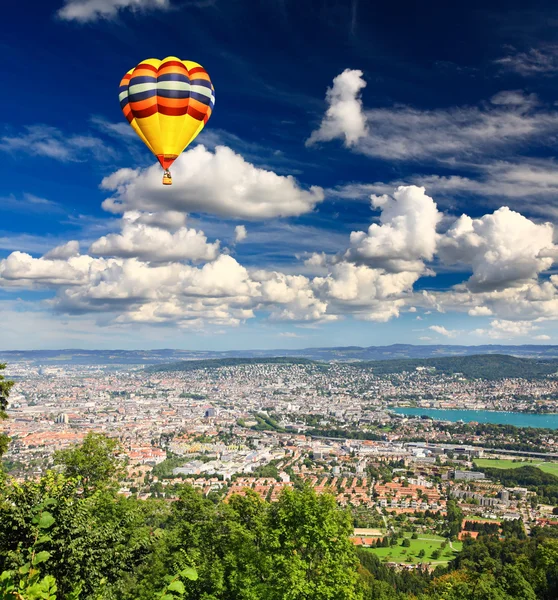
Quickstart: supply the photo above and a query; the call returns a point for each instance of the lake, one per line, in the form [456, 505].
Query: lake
[549, 421]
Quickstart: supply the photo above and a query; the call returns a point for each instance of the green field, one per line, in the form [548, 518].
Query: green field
[428, 543]
[494, 463]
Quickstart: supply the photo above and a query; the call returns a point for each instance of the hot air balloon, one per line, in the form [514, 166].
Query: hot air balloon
[167, 102]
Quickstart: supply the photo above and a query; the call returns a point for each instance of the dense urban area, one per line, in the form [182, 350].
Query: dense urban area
[419, 494]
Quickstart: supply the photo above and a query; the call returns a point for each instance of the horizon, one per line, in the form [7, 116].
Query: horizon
[356, 183]
[301, 348]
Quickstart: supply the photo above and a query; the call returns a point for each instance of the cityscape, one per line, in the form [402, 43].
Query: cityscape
[231, 426]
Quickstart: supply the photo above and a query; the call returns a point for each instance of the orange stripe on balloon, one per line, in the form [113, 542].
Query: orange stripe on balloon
[172, 102]
[197, 105]
[143, 104]
[165, 69]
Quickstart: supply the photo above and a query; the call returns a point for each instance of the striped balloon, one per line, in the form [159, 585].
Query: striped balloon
[167, 102]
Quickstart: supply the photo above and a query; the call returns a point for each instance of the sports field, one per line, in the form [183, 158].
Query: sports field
[495, 463]
[428, 543]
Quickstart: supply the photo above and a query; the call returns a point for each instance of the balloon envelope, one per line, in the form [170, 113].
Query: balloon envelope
[167, 102]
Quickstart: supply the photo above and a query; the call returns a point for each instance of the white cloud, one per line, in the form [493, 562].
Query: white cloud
[85, 11]
[221, 182]
[514, 98]
[171, 220]
[479, 311]
[405, 133]
[43, 140]
[21, 270]
[155, 244]
[369, 294]
[344, 117]
[533, 62]
[542, 338]
[291, 297]
[405, 236]
[141, 274]
[441, 330]
[531, 301]
[502, 329]
[240, 233]
[504, 249]
[525, 185]
[449, 134]
[64, 251]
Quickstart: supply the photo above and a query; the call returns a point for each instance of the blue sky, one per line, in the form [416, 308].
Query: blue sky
[371, 174]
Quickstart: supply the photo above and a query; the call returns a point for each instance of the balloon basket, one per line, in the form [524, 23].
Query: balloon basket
[167, 179]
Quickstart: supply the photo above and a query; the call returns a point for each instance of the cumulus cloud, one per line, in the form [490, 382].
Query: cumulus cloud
[158, 270]
[369, 294]
[503, 249]
[64, 251]
[155, 244]
[405, 236]
[84, 11]
[291, 298]
[20, 269]
[344, 117]
[479, 311]
[240, 233]
[535, 300]
[501, 329]
[219, 182]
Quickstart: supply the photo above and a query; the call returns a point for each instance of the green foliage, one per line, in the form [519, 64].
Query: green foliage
[266, 471]
[454, 518]
[59, 543]
[5, 387]
[544, 484]
[266, 423]
[26, 582]
[95, 462]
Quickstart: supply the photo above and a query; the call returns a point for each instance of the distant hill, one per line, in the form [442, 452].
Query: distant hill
[215, 363]
[340, 353]
[484, 366]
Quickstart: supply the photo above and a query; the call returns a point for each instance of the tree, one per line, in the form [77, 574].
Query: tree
[309, 545]
[5, 387]
[95, 461]
[454, 518]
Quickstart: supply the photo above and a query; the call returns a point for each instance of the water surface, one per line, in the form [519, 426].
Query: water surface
[550, 421]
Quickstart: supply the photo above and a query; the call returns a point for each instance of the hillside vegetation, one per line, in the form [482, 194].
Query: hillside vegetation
[215, 363]
[482, 366]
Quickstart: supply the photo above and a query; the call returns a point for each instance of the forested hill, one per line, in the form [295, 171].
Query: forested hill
[194, 365]
[483, 366]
